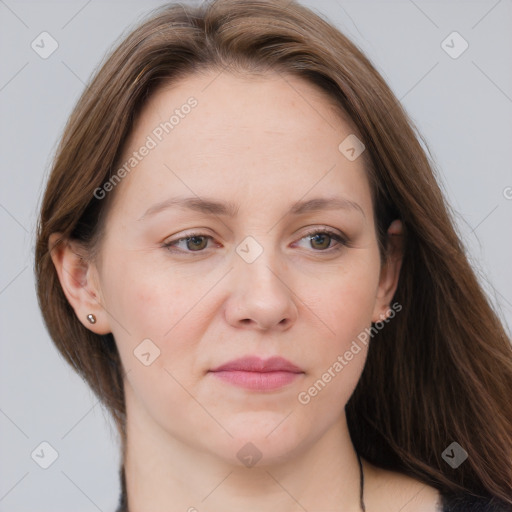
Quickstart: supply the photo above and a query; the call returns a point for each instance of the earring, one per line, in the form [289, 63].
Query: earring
[91, 318]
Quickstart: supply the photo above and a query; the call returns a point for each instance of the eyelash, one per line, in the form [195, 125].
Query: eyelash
[342, 241]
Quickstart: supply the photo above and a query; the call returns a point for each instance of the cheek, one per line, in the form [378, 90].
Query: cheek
[170, 307]
[146, 300]
[345, 307]
[159, 309]
[348, 298]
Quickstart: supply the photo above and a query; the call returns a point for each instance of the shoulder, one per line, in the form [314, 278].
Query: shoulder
[389, 491]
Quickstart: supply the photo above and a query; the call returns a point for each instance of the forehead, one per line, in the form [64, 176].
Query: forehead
[231, 106]
[216, 133]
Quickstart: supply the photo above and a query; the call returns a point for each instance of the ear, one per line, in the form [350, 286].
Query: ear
[79, 280]
[390, 271]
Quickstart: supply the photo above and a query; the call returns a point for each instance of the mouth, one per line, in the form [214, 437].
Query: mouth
[258, 374]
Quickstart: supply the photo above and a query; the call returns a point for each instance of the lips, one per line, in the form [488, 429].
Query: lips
[256, 364]
[258, 374]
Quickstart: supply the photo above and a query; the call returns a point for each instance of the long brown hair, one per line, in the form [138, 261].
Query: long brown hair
[441, 371]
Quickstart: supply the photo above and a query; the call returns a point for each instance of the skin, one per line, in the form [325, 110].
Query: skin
[262, 142]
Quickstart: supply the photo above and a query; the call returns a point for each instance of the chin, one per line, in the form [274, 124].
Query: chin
[262, 439]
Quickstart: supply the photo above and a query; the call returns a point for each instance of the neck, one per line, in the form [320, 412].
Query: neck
[163, 472]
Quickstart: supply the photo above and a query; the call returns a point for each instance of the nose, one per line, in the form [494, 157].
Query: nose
[262, 297]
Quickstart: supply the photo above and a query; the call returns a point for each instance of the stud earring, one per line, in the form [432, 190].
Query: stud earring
[91, 318]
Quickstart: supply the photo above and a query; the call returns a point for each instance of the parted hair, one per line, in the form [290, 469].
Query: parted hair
[441, 370]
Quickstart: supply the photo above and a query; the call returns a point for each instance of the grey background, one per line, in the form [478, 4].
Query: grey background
[461, 106]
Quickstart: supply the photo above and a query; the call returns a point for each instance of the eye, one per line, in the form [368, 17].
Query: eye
[194, 242]
[321, 240]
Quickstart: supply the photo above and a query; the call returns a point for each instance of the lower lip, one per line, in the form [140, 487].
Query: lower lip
[259, 381]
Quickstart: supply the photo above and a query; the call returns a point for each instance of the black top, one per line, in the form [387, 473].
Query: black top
[465, 503]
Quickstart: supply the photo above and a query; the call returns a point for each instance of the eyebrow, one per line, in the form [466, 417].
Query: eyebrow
[230, 209]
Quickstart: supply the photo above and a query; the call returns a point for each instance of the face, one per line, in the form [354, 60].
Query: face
[239, 265]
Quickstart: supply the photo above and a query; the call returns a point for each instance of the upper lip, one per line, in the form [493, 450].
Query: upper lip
[256, 364]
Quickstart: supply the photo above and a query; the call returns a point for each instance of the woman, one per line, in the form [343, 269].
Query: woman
[243, 249]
